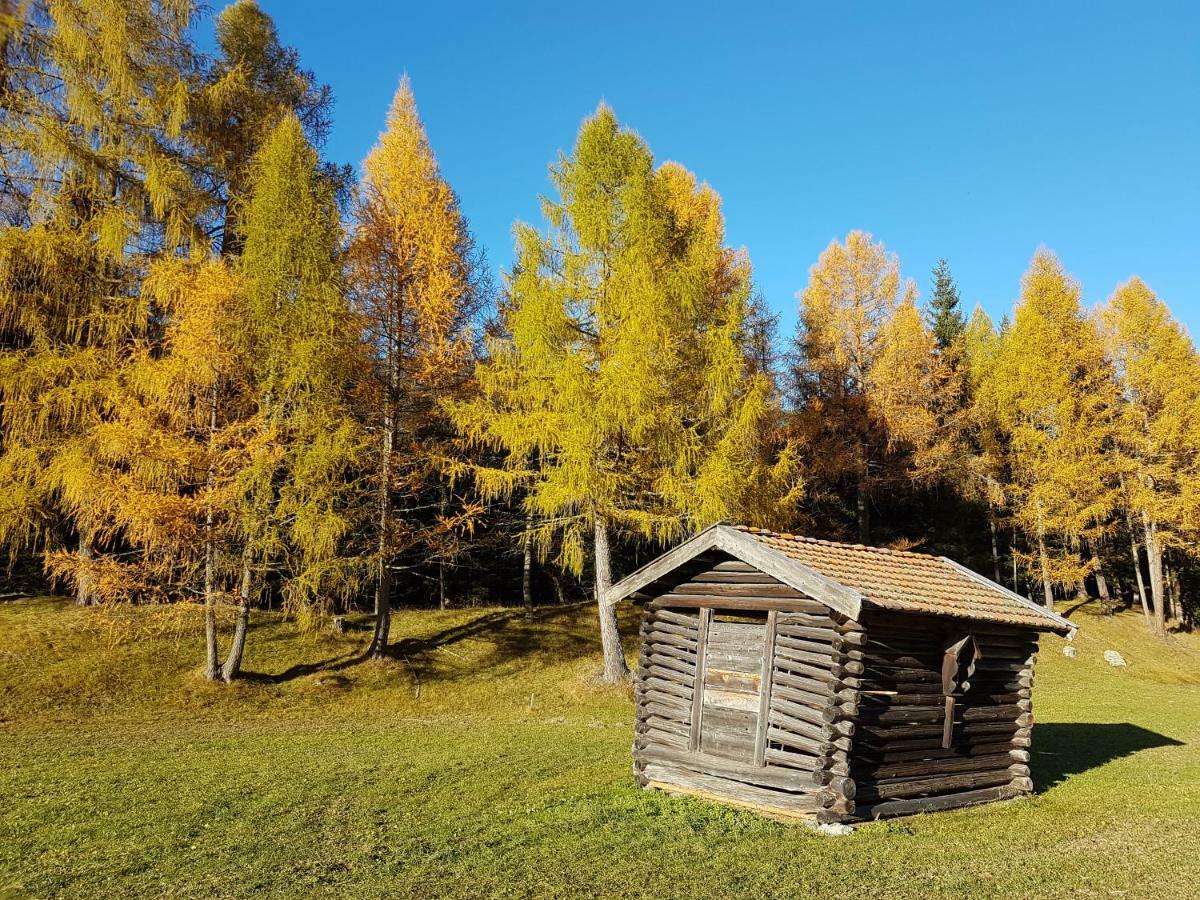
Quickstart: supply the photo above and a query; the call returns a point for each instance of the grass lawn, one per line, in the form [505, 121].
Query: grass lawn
[484, 762]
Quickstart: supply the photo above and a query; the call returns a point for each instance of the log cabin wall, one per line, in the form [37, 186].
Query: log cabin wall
[898, 761]
[746, 691]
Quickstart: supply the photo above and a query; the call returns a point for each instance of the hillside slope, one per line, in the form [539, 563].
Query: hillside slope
[484, 761]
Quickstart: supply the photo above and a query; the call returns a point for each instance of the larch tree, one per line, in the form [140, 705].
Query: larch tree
[619, 387]
[414, 275]
[301, 500]
[1159, 374]
[1056, 399]
[984, 474]
[852, 294]
[241, 95]
[917, 394]
[94, 159]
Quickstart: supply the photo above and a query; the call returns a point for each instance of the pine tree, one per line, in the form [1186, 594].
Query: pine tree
[1055, 397]
[619, 388]
[945, 314]
[413, 272]
[1159, 373]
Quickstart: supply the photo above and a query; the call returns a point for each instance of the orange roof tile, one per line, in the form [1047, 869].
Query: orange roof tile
[911, 582]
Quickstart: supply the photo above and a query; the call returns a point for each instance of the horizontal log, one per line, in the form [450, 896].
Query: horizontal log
[668, 686]
[811, 645]
[817, 694]
[813, 731]
[935, 804]
[712, 787]
[1019, 770]
[790, 654]
[769, 591]
[739, 578]
[1024, 785]
[682, 633]
[731, 604]
[686, 667]
[682, 620]
[868, 757]
[683, 679]
[658, 723]
[667, 707]
[815, 746]
[793, 759]
[679, 651]
[821, 618]
[930, 767]
[801, 675]
[926, 787]
[793, 780]
[883, 734]
[812, 715]
[824, 634]
[682, 646]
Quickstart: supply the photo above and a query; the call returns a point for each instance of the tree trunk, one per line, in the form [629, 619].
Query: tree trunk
[443, 503]
[1044, 559]
[560, 596]
[211, 671]
[615, 668]
[233, 662]
[85, 594]
[1137, 571]
[862, 508]
[527, 568]
[995, 546]
[1173, 611]
[383, 581]
[1101, 584]
[1154, 562]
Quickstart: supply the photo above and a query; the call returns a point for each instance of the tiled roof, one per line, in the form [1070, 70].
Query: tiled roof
[911, 582]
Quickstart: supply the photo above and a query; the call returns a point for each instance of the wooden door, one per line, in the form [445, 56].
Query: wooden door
[733, 665]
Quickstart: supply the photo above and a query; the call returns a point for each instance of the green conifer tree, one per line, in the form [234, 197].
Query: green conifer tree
[945, 312]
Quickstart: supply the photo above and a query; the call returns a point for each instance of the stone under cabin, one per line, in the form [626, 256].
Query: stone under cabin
[829, 682]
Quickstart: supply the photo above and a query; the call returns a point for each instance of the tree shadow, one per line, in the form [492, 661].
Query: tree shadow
[552, 633]
[1061, 749]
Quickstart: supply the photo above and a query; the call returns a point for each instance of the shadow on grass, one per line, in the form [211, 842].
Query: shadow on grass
[1061, 749]
[509, 634]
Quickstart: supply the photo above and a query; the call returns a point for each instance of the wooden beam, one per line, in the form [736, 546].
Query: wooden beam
[764, 690]
[698, 681]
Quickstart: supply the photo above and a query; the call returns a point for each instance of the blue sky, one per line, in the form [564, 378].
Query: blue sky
[967, 130]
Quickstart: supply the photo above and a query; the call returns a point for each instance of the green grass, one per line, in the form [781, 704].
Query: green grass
[485, 762]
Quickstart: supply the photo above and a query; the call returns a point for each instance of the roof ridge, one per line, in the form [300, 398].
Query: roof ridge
[786, 536]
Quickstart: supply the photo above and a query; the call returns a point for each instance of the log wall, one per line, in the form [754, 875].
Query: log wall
[746, 692]
[898, 762]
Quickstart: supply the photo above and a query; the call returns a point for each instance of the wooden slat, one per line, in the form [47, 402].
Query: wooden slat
[764, 691]
[697, 689]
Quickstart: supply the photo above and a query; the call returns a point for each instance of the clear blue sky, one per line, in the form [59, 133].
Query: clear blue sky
[975, 131]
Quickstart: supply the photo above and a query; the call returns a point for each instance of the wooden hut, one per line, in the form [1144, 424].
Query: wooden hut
[831, 682]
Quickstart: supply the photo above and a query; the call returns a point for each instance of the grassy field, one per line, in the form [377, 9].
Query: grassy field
[484, 761]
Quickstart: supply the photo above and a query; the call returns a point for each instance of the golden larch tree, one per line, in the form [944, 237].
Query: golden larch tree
[1055, 397]
[413, 275]
[1159, 373]
[619, 388]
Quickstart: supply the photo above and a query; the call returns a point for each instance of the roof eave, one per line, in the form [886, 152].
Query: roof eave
[1056, 623]
[749, 550]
